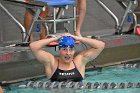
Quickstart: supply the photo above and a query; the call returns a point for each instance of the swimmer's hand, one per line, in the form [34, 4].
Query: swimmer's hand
[68, 34]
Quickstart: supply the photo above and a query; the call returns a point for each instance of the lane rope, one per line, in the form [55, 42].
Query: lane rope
[80, 85]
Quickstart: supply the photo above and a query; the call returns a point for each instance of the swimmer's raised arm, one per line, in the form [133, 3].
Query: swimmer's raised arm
[89, 54]
[43, 55]
[37, 48]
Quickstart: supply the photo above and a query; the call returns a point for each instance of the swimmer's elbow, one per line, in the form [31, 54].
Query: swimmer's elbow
[100, 46]
[33, 46]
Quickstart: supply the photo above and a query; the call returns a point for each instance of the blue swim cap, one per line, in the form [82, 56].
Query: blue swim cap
[66, 41]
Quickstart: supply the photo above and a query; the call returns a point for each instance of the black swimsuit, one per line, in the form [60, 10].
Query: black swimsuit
[66, 75]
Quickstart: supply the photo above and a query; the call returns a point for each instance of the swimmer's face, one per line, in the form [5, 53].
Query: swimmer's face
[67, 53]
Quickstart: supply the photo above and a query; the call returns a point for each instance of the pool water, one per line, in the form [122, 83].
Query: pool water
[115, 74]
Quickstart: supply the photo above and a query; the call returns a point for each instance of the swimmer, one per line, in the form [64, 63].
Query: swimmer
[68, 66]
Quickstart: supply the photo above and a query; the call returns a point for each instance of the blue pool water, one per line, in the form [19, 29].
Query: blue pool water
[115, 74]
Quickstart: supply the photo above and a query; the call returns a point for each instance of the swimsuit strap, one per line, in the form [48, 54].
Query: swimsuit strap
[74, 64]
